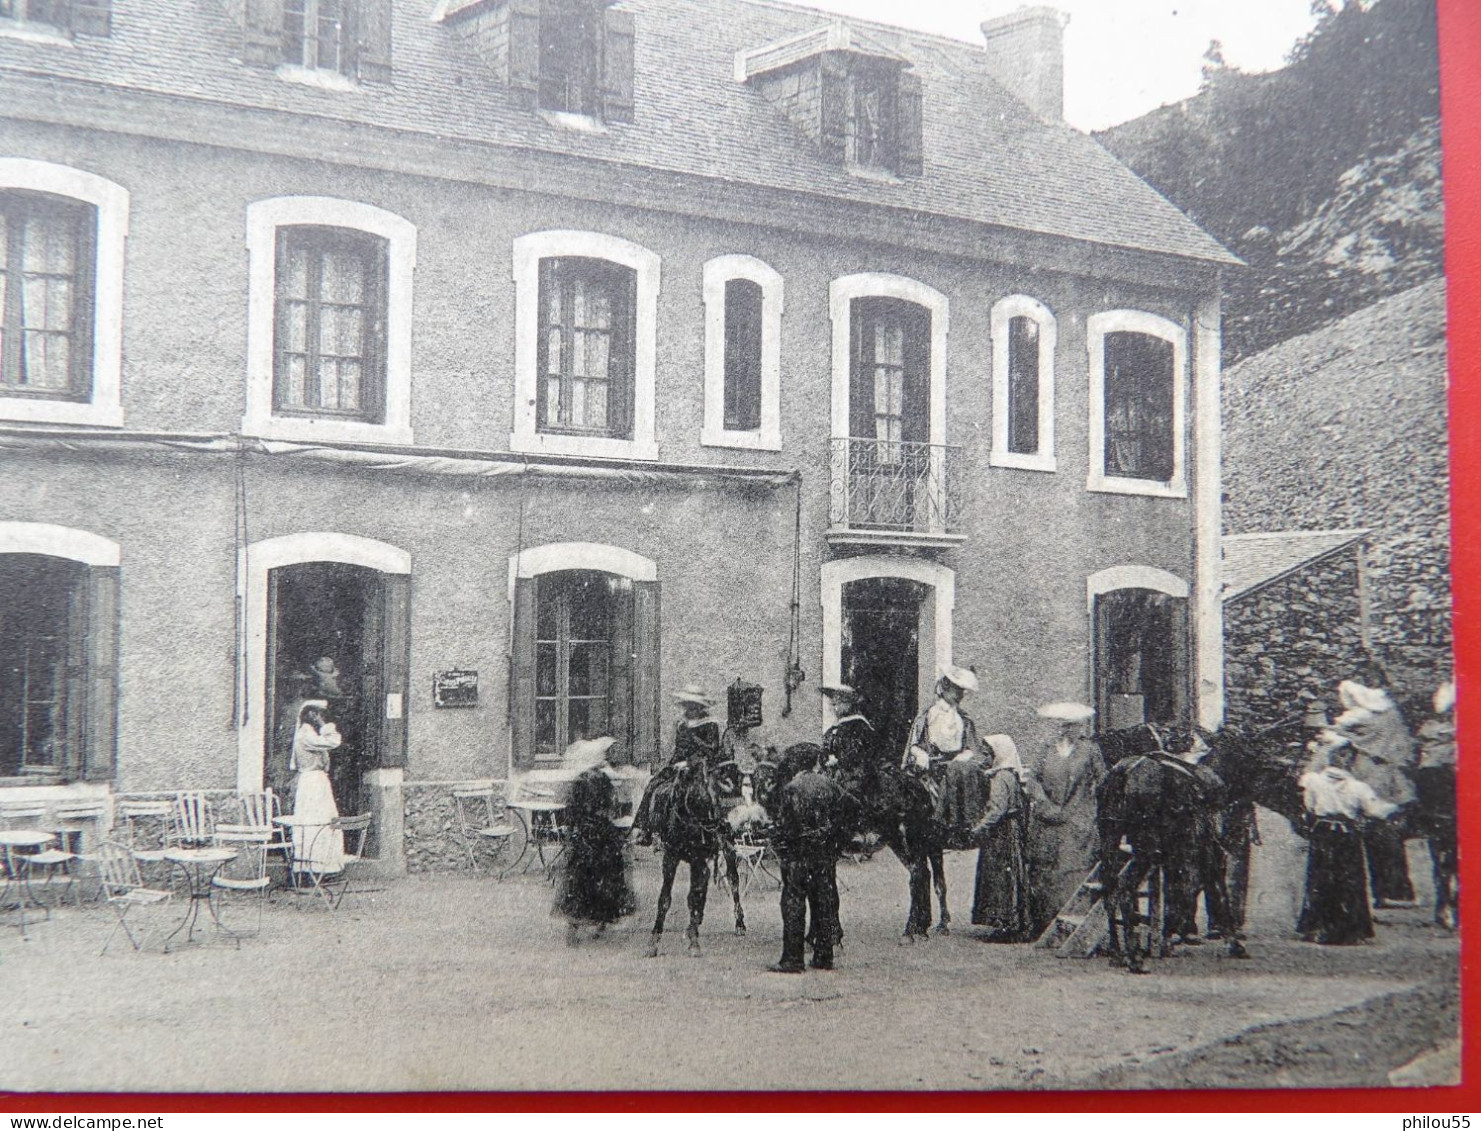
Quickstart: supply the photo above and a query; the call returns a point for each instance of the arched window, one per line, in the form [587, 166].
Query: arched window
[1024, 335]
[585, 652]
[1140, 647]
[585, 352]
[58, 654]
[1138, 393]
[329, 321]
[62, 234]
[743, 351]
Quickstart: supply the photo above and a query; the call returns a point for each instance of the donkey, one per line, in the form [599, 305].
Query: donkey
[688, 818]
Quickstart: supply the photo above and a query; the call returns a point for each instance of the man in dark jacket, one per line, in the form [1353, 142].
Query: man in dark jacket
[810, 822]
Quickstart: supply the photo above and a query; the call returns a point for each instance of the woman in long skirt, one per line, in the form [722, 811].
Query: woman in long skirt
[316, 847]
[1000, 898]
[1335, 910]
[594, 888]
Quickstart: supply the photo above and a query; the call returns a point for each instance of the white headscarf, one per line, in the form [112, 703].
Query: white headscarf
[1005, 754]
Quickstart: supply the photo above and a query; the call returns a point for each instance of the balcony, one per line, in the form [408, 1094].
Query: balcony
[889, 492]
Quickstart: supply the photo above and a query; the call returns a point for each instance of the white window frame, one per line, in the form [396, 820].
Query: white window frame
[841, 294]
[717, 273]
[264, 218]
[1140, 322]
[1003, 313]
[529, 250]
[104, 407]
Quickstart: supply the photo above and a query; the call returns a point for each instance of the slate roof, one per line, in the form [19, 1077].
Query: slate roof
[1252, 561]
[988, 158]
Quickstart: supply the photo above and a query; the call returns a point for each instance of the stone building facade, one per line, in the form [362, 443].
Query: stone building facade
[553, 359]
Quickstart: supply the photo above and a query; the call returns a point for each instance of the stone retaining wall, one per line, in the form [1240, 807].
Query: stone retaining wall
[1291, 642]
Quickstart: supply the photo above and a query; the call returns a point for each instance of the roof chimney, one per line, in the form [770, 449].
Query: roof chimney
[1025, 52]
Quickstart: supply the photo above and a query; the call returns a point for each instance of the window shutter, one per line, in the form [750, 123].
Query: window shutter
[74, 682]
[395, 668]
[617, 65]
[646, 669]
[84, 292]
[1100, 652]
[373, 40]
[909, 142]
[262, 32]
[524, 49]
[833, 95]
[623, 358]
[620, 690]
[916, 425]
[861, 375]
[378, 285]
[90, 17]
[522, 673]
[1179, 676]
[101, 743]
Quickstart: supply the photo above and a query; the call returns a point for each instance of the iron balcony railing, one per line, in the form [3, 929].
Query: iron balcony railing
[892, 485]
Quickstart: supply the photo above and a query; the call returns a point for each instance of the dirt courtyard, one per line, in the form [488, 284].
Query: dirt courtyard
[453, 982]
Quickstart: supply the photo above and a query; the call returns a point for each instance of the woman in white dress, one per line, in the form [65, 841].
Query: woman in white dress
[315, 846]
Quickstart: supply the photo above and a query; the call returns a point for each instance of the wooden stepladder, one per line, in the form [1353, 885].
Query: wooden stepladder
[1082, 926]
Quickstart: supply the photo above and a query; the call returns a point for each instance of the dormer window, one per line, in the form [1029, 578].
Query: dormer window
[857, 99]
[562, 57]
[329, 43]
[871, 114]
[570, 57]
[88, 17]
[315, 35]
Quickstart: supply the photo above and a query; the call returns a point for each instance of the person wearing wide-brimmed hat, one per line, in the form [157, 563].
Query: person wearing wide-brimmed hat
[594, 889]
[1064, 840]
[943, 731]
[850, 745]
[696, 739]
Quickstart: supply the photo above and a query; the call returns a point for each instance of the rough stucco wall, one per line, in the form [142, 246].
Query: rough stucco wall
[1290, 643]
[1346, 427]
[724, 555]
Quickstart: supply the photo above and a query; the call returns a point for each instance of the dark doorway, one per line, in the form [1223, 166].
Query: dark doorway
[42, 653]
[318, 612]
[1141, 659]
[881, 654]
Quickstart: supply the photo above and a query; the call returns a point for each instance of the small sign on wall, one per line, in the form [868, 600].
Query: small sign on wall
[455, 689]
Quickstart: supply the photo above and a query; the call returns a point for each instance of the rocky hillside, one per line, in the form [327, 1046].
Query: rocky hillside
[1324, 176]
[1345, 428]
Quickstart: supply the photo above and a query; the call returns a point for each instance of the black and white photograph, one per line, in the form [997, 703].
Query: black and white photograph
[692, 545]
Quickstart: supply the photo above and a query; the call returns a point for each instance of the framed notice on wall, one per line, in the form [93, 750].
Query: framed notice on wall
[455, 689]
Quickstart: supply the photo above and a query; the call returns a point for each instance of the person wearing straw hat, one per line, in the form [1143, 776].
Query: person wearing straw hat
[850, 745]
[696, 738]
[943, 731]
[1064, 838]
[594, 889]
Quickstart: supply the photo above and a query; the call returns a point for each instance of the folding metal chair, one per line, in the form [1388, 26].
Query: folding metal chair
[330, 883]
[124, 890]
[245, 876]
[254, 812]
[192, 821]
[485, 822]
[45, 868]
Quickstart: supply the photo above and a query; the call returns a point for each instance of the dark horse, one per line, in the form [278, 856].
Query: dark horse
[1157, 819]
[897, 807]
[688, 817]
